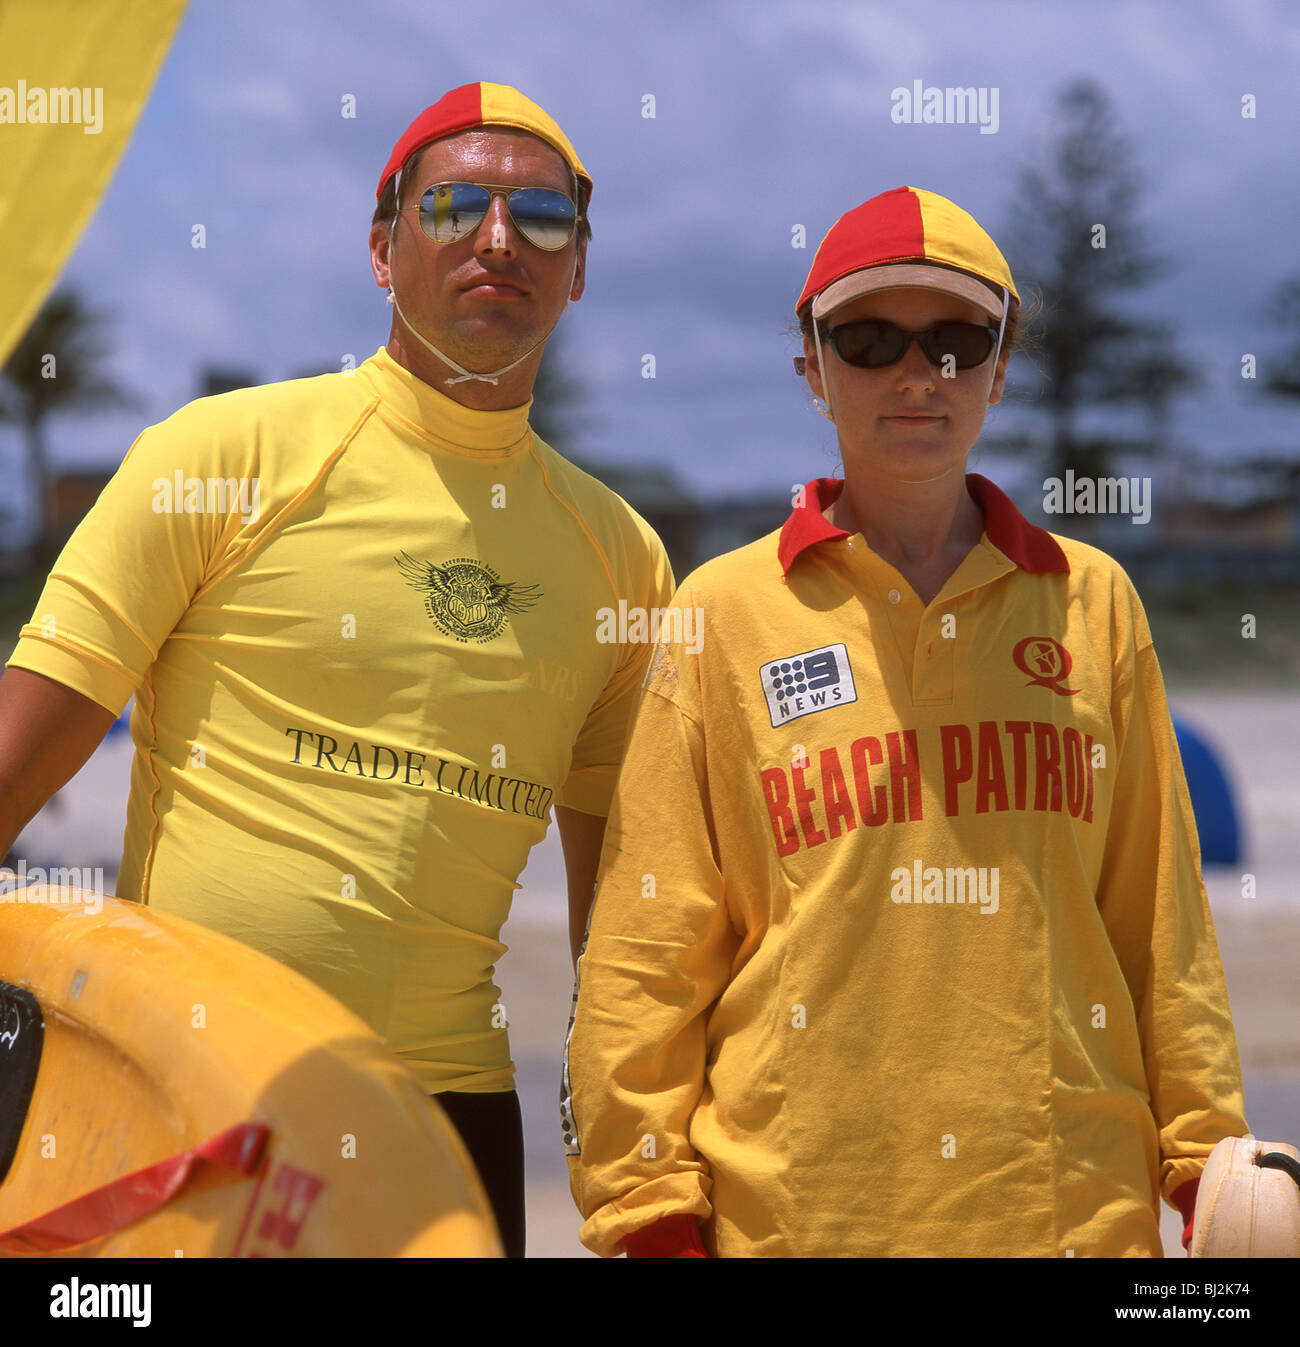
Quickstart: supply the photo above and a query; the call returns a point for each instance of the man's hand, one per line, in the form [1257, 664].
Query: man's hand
[47, 731]
[581, 836]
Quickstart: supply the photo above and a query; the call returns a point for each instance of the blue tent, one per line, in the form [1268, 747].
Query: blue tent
[1212, 798]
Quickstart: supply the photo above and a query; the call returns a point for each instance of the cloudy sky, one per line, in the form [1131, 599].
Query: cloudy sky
[768, 114]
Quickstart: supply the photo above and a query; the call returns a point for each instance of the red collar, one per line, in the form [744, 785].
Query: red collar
[1030, 547]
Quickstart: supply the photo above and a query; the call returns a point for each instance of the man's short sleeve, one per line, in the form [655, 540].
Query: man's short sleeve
[125, 578]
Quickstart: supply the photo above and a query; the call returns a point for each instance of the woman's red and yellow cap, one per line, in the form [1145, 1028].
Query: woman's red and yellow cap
[474, 105]
[907, 238]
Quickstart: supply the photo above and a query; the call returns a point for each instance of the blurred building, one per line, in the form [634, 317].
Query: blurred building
[692, 530]
[72, 492]
[1209, 521]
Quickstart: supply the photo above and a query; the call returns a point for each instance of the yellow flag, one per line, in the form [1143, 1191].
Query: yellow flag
[73, 78]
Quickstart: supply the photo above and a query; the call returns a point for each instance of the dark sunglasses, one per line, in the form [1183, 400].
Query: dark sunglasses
[450, 211]
[872, 343]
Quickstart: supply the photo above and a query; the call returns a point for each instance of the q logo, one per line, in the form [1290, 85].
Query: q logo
[1047, 662]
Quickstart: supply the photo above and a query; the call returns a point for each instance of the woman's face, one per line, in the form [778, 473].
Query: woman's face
[905, 421]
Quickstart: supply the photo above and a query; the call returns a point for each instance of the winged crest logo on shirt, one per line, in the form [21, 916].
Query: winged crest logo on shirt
[464, 598]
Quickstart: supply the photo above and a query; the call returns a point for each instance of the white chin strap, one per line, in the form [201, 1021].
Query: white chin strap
[821, 365]
[1002, 327]
[490, 376]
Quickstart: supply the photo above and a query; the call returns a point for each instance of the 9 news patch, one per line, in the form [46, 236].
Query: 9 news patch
[813, 680]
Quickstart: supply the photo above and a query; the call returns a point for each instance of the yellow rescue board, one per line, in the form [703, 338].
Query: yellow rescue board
[155, 1035]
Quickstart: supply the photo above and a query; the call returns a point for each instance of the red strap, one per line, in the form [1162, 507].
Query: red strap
[672, 1237]
[1184, 1198]
[126, 1200]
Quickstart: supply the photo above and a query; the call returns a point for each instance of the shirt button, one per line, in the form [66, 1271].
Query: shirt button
[895, 596]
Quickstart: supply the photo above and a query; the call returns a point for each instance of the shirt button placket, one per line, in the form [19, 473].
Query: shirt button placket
[934, 660]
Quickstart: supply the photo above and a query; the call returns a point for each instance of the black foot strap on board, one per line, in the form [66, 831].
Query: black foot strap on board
[1280, 1160]
[22, 1035]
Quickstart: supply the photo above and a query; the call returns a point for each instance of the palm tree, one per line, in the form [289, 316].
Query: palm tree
[58, 366]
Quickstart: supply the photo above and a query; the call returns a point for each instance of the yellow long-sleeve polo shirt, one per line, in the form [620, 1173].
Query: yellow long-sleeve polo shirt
[900, 945]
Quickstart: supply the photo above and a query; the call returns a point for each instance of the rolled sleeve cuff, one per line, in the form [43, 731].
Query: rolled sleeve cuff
[673, 1195]
[76, 668]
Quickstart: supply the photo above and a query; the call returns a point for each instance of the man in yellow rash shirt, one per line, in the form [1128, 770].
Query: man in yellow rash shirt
[365, 620]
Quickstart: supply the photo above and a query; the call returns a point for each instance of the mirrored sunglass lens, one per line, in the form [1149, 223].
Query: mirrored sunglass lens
[868, 344]
[543, 216]
[967, 344]
[450, 210]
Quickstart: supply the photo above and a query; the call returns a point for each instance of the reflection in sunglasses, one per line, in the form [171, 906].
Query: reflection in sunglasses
[450, 211]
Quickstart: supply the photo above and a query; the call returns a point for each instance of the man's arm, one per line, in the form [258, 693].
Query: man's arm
[646, 579]
[47, 731]
[581, 836]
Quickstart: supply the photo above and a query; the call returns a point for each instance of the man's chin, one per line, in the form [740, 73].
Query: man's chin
[495, 332]
[486, 356]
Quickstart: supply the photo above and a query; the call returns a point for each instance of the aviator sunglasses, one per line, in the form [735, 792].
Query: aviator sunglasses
[450, 211]
[873, 343]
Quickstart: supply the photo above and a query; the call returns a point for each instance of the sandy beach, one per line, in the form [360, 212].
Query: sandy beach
[1256, 734]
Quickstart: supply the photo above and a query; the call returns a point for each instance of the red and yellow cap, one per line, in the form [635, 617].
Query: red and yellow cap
[480, 105]
[886, 244]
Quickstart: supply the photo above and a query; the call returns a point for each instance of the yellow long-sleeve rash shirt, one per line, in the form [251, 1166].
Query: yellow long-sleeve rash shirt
[363, 627]
[900, 945]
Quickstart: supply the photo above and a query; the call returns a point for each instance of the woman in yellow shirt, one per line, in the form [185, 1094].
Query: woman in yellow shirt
[900, 944]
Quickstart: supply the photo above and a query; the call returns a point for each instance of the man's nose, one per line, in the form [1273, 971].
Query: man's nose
[496, 235]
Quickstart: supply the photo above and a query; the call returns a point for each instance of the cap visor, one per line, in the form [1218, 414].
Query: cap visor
[906, 276]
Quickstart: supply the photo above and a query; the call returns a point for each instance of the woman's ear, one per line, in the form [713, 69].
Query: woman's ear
[813, 373]
[812, 369]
